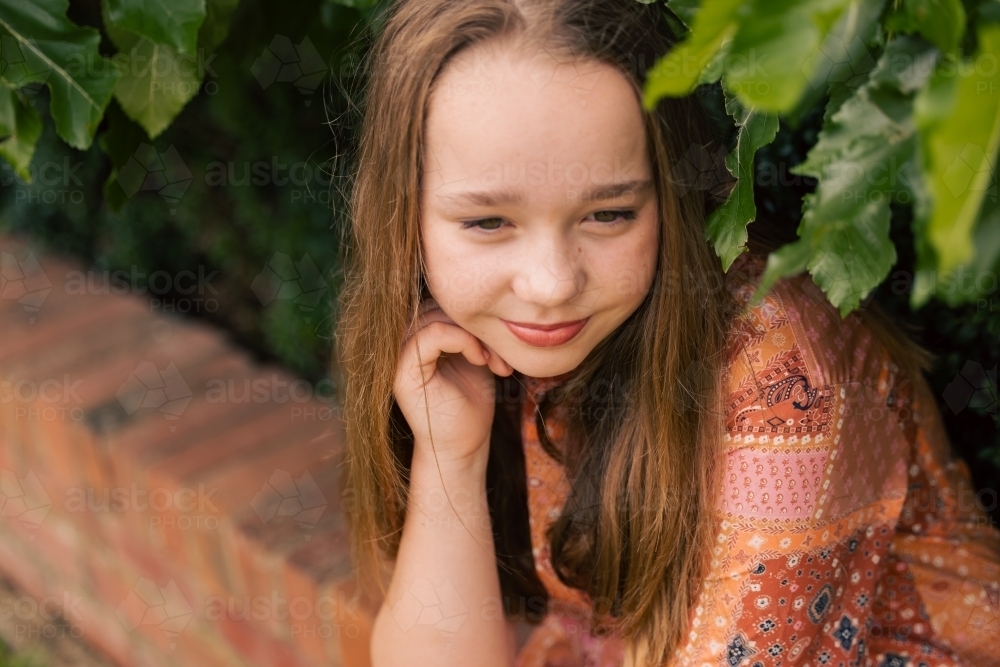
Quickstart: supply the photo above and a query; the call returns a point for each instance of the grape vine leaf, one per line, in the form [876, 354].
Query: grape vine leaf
[216, 26]
[768, 53]
[175, 23]
[941, 22]
[958, 116]
[156, 80]
[119, 142]
[726, 227]
[865, 157]
[685, 10]
[20, 128]
[680, 70]
[41, 46]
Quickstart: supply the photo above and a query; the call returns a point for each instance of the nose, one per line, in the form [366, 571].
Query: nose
[549, 277]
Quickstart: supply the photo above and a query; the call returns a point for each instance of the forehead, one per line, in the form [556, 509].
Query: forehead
[495, 105]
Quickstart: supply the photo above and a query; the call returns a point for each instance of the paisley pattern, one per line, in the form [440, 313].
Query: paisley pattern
[848, 536]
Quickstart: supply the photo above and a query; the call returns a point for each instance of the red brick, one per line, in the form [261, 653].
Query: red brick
[21, 565]
[56, 322]
[103, 631]
[228, 445]
[59, 543]
[236, 452]
[197, 647]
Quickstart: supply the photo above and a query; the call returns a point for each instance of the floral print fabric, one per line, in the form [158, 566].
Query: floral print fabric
[849, 536]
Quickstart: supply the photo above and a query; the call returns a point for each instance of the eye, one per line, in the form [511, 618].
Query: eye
[476, 224]
[612, 218]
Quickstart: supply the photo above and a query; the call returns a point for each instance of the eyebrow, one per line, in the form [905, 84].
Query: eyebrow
[506, 196]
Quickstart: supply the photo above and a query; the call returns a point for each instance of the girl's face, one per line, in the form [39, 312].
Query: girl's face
[537, 203]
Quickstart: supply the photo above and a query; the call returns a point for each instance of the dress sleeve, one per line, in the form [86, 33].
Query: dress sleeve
[942, 580]
[817, 468]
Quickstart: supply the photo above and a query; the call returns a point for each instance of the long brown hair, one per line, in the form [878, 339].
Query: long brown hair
[636, 530]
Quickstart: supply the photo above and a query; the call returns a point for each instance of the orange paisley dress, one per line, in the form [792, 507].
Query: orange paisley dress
[849, 535]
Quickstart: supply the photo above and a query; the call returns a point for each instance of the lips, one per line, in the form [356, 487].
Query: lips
[546, 335]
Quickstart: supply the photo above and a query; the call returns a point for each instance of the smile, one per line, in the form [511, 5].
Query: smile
[538, 335]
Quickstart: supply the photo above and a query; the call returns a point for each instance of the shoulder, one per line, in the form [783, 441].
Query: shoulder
[807, 398]
[797, 319]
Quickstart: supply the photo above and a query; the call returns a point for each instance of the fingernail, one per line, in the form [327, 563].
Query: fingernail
[486, 353]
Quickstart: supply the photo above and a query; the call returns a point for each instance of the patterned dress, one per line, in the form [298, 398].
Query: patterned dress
[848, 534]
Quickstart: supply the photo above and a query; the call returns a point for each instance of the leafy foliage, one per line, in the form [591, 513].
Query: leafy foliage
[726, 227]
[919, 128]
[39, 45]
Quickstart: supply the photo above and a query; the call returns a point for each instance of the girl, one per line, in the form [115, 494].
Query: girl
[561, 413]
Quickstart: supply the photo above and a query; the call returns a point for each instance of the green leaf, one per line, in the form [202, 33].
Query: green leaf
[216, 26]
[941, 22]
[678, 72]
[155, 85]
[784, 47]
[20, 128]
[174, 23]
[685, 10]
[726, 227]
[865, 157]
[119, 141]
[958, 116]
[40, 45]
[768, 52]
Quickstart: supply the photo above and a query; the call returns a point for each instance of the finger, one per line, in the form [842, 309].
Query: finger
[428, 307]
[439, 338]
[496, 362]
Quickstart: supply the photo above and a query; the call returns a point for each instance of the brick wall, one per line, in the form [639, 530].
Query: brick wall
[177, 503]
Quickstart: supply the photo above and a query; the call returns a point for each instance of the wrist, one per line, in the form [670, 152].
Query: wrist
[468, 467]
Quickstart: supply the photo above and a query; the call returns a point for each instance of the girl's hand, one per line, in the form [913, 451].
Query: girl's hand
[456, 376]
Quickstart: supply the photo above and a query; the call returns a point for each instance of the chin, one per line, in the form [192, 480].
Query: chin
[541, 368]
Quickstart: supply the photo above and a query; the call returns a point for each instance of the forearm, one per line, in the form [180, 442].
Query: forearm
[443, 603]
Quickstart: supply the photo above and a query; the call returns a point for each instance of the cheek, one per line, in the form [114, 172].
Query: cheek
[459, 277]
[632, 270]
